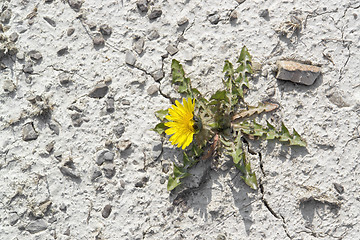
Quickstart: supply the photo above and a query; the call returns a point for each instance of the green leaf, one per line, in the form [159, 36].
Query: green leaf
[251, 180]
[186, 159]
[177, 72]
[173, 183]
[297, 140]
[228, 68]
[161, 114]
[284, 135]
[159, 128]
[271, 132]
[178, 171]
[182, 88]
[220, 95]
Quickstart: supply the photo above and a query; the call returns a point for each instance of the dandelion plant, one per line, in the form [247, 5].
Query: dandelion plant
[219, 122]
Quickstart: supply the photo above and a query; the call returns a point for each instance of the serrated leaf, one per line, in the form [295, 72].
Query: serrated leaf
[173, 183]
[297, 140]
[228, 68]
[244, 55]
[271, 133]
[261, 107]
[159, 128]
[161, 114]
[285, 134]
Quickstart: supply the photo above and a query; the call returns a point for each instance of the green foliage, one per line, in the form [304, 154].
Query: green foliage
[219, 121]
[269, 132]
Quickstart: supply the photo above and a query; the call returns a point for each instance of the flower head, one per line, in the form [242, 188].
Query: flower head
[181, 123]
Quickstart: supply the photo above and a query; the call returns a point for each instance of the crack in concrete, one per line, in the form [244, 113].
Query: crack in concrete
[266, 203]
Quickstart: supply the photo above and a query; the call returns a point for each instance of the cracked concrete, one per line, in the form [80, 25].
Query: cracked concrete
[307, 193]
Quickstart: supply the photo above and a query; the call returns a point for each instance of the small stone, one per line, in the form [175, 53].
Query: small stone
[95, 173]
[52, 219]
[233, 16]
[165, 168]
[14, 37]
[158, 75]
[50, 21]
[142, 5]
[70, 31]
[64, 78]
[69, 172]
[124, 145]
[339, 188]
[98, 40]
[214, 18]
[2, 66]
[145, 179]
[139, 184]
[54, 127]
[50, 146]
[76, 119]
[105, 29]
[91, 25]
[67, 232]
[130, 58]
[125, 102]
[109, 170]
[297, 72]
[36, 226]
[220, 237]
[155, 13]
[139, 45]
[183, 21]
[109, 156]
[5, 16]
[44, 207]
[63, 51]
[8, 86]
[106, 211]
[153, 89]
[13, 219]
[58, 155]
[99, 91]
[28, 132]
[119, 130]
[162, 180]
[100, 159]
[75, 4]
[240, 1]
[28, 67]
[35, 55]
[20, 56]
[48, 1]
[172, 50]
[110, 105]
[264, 13]
[154, 34]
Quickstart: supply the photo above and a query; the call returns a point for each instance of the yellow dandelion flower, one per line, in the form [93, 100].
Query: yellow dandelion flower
[181, 123]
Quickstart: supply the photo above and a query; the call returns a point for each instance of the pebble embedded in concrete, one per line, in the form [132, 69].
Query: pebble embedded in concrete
[99, 91]
[297, 72]
[28, 132]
